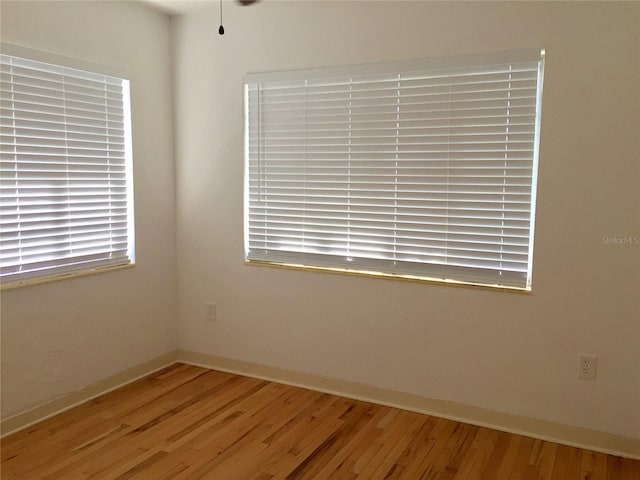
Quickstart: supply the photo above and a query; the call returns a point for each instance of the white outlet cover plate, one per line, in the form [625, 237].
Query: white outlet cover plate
[588, 367]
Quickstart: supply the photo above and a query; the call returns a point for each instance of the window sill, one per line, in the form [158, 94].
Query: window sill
[64, 276]
[404, 278]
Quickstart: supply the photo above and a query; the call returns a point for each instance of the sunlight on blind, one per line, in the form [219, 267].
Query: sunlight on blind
[421, 171]
[65, 170]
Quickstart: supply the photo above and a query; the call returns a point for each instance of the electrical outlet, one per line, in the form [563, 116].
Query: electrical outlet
[588, 367]
[211, 311]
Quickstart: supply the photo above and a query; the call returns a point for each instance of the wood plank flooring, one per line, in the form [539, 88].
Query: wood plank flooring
[186, 422]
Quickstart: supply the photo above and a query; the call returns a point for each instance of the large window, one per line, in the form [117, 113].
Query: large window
[66, 173]
[422, 169]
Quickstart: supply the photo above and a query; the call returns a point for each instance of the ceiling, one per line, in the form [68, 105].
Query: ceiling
[178, 7]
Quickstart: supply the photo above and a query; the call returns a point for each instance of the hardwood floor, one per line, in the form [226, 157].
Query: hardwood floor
[186, 422]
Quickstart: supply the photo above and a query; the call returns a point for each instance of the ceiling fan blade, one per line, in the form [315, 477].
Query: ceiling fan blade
[246, 2]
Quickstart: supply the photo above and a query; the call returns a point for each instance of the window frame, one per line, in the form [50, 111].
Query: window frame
[466, 61]
[257, 81]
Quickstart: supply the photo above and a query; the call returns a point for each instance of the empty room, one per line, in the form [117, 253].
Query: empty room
[320, 239]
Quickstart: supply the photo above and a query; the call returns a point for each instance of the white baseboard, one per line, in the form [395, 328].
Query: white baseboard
[34, 415]
[540, 429]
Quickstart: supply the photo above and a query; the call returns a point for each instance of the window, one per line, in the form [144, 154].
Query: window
[66, 172]
[421, 169]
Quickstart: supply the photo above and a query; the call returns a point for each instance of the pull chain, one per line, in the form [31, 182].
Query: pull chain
[221, 29]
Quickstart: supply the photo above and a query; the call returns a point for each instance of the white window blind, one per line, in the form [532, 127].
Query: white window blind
[423, 169]
[66, 191]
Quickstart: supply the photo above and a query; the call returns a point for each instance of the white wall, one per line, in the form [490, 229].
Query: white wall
[506, 352]
[512, 353]
[58, 337]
